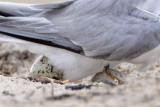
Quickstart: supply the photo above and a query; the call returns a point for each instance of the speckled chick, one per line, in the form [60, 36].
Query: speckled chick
[41, 68]
[110, 76]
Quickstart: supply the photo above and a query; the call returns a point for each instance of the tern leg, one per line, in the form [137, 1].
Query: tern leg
[110, 76]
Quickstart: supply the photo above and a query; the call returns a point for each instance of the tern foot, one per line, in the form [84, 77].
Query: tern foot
[109, 76]
[41, 68]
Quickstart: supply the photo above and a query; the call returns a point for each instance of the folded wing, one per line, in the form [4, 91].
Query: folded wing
[15, 9]
[35, 29]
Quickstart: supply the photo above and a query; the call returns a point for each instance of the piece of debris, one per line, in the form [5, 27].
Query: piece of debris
[59, 97]
[30, 95]
[79, 87]
[65, 96]
[7, 93]
[37, 79]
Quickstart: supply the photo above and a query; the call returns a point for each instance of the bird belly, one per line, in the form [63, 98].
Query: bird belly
[147, 59]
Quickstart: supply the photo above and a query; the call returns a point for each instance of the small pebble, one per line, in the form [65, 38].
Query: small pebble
[7, 93]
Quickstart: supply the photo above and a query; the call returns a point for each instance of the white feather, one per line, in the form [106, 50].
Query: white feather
[4, 38]
[148, 59]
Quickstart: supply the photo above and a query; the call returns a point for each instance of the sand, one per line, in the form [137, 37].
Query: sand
[141, 90]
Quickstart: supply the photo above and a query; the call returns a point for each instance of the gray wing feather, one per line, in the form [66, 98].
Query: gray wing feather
[54, 5]
[36, 28]
[126, 39]
[115, 30]
[16, 9]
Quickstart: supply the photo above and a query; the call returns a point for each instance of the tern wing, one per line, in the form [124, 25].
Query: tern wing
[35, 29]
[118, 31]
[120, 39]
[16, 9]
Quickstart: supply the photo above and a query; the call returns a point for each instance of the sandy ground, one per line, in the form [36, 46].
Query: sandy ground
[142, 89]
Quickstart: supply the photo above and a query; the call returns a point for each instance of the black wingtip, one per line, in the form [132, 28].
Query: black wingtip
[5, 14]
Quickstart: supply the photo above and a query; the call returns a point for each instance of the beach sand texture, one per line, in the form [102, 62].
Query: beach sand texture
[142, 89]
